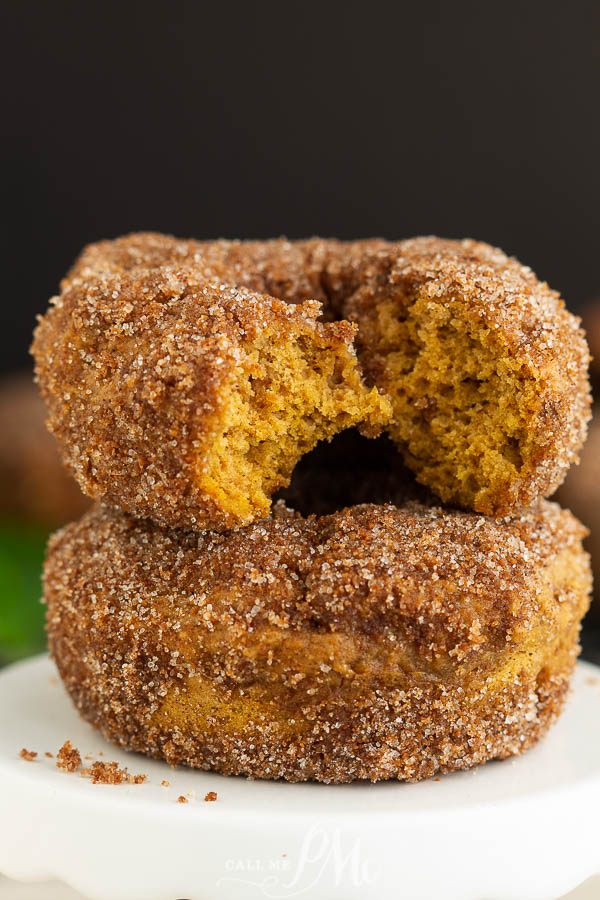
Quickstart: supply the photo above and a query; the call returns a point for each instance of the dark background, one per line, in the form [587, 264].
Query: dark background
[257, 119]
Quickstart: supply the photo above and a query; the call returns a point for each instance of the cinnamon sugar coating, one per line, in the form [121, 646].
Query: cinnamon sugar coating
[481, 371]
[378, 642]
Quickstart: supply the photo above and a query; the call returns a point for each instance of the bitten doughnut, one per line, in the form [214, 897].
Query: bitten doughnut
[375, 643]
[476, 369]
[179, 398]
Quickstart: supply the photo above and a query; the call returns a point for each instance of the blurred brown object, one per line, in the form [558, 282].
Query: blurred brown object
[581, 494]
[590, 315]
[34, 487]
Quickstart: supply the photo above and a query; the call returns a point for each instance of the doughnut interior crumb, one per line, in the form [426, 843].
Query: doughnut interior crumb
[462, 408]
[211, 797]
[29, 755]
[285, 397]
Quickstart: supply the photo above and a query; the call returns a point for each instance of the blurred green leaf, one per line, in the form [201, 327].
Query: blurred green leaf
[21, 612]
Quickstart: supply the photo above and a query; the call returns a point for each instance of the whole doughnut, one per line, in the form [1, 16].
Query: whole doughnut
[375, 643]
[484, 368]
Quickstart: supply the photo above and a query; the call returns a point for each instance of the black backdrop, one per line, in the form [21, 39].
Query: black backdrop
[256, 119]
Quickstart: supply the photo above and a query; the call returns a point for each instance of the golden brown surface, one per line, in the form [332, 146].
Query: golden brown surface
[34, 486]
[375, 643]
[147, 385]
[581, 493]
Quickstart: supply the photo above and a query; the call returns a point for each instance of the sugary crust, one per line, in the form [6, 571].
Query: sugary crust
[109, 286]
[290, 271]
[378, 642]
[493, 288]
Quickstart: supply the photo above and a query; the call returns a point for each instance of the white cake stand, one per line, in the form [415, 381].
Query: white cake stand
[524, 829]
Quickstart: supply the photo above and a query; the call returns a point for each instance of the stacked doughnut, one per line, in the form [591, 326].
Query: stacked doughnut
[414, 606]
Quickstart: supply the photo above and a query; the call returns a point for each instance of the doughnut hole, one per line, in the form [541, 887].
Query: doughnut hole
[285, 397]
[466, 414]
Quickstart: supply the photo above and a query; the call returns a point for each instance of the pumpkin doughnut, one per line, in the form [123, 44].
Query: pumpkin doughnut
[176, 397]
[378, 642]
[481, 371]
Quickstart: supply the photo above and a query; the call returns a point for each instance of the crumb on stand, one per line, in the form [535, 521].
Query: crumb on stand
[111, 773]
[29, 755]
[68, 758]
